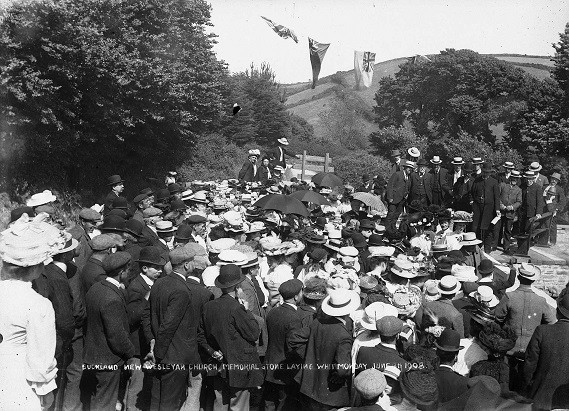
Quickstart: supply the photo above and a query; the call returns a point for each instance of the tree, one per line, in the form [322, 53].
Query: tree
[343, 124]
[561, 71]
[96, 88]
[457, 91]
[397, 138]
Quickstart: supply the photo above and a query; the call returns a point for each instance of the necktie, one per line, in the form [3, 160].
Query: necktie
[260, 294]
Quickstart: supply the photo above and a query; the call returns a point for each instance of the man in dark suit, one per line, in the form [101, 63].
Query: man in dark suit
[230, 332]
[279, 384]
[151, 215]
[547, 362]
[486, 196]
[248, 172]
[277, 155]
[116, 183]
[532, 202]
[395, 162]
[138, 291]
[450, 383]
[93, 271]
[442, 190]
[385, 353]
[461, 189]
[175, 339]
[504, 175]
[421, 185]
[88, 220]
[555, 202]
[397, 193]
[107, 337]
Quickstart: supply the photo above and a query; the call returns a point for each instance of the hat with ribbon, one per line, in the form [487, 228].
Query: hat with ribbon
[340, 302]
[217, 246]
[199, 197]
[462, 217]
[42, 198]
[436, 160]
[530, 175]
[403, 268]
[408, 164]
[314, 238]
[232, 257]
[457, 161]
[449, 284]
[381, 251]
[535, 167]
[255, 227]
[529, 271]
[485, 295]
[283, 141]
[376, 311]
[469, 238]
[508, 165]
[165, 227]
[477, 160]
[414, 152]
[186, 194]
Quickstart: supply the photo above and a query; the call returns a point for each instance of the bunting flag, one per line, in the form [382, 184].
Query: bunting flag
[363, 68]
[281, 30]
[417, 59]
[317, 53]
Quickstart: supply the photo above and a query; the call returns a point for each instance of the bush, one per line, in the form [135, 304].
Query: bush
[353, 166]
[397, 138]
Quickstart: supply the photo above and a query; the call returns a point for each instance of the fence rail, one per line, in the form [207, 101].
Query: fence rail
[316, 164]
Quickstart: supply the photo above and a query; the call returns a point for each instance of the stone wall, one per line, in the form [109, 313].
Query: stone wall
[553, 279]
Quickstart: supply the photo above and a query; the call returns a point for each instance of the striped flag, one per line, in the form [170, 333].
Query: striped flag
[317, 53]
[363, 68]
[281, 30]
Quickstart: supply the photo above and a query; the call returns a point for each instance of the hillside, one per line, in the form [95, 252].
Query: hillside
[310, 104]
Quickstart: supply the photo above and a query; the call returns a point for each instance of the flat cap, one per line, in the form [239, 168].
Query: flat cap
[151, 212]
[290, 288]
[196, 219]
[181, 255]
[116, 260]
[389, 326]
[102, 242]
[140, 197]
[370, 383]
[89, 214]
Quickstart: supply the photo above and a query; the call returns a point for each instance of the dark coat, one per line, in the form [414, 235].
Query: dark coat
[450, 384]
[462, 194]
[54, 285]
[200, 296]
[395, 167]
[414, 193]
[274, 156]
[84, 249]
[546, 365]
[441, 181]
[109, 202]
[329, 344]
[532, 201]
[263, 174]
[280, 321]
[255, 306]
[397, 188]
[233, 330]
[486, 196]
[379, 357]
[499, 284]
[92, 273]
[559, 201]
[136, 303]
[247, 173]
[107, 337]
[172, 319]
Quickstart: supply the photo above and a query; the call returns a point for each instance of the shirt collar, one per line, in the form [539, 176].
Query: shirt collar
[181, 275]
[196, 279]
[61, 266]
[147, 280]
[115, 283]
[389, 345]
[293, 306]
[447, 366]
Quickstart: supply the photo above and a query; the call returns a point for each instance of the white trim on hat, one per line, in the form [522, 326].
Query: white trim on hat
[340, 302]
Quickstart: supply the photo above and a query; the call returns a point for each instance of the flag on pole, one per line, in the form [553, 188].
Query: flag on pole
[317, 53]
[363, 68]
[281, 30]
[417, 59]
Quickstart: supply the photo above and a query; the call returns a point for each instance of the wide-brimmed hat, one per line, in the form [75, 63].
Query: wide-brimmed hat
[199, 197]
[186, 195]
[254, 153]
[469, 238]
[252, 260]
[462, 217]
[477, 160]
[529, 271]
[482, 315]
[315, 288]
[114, 180]
[436, 160]
[165, 227]
[283, 141]
[439, 248]
[340, 302]
[392, 372]
[229, 275]
[508, 165]
[42, 198]
[463, 273]
[449, 341]
[151, 255]
[70, 244]
[408, 163]
[530, 175]
[497, 339]
[255, 227]
[556, 176]
[414, 152]
[234, 222]
[485, 296]
[449, 285]
[376, 311]
[515, 174]
[407, 300]
[535, 167]
[403, 268]
[420, 386]
[431, 290]
[457, 161]
[232, 257]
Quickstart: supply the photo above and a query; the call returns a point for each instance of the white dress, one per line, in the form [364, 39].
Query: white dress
[27, 364]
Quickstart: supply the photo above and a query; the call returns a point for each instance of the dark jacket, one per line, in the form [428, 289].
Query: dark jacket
[327, 365]
[444, 308]
[200, 296]
[546, 365]
[532, 201]
[559, 201]
[441, 181]
[247, 172]
[109, 202]
[280, 321]
[398, 188]
[172, 320]
[228, 327]
[136, 303]
[274, 156]
[499, 284]
[92, 273]
[84, 249]
[379, 357]
[263, 174]
[450, 384]
[462, 194]
[414, 189]
[107, 339]
[486, 196]
[250, 295]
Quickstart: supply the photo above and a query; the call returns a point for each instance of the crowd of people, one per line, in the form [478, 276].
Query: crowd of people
[192, 296]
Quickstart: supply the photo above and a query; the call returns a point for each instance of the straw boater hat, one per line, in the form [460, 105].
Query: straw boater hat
[199, 197]
[457, 161]
[508, 165]
[374, 312]
[403, 268]
[529, 271]
[464, 273]
[232, 257]
[535, 167]
[414, 152]
[340, 302]
[42, 198]
[165, 227]
[436, 160]
[485, 296]
[530, 175]
[470, 239]
[477, 160]
[283, 141]
[254, 153]
[515, 174]
[449, 285]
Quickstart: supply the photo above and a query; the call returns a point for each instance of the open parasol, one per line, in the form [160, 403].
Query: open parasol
[283, 203]
[370, 200]
[327, 180]
[310, 197]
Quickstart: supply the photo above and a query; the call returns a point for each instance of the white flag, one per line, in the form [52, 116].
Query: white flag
[363, 68]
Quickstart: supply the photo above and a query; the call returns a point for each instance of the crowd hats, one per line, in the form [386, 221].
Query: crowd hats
[290, 288]
[174, 188]
[556, 176]
[151, 255]
[463, 273]
[252, 260]
[317, 254]
[217, 246]
[229, 276]
[255, 227]
[407, 300]
[529, 271]
[449, 285]
[419, 386]
[535, 167]
[90, 215]
[457, 161]
[375, 240]
[340, 302]
[391, 371]
[114, 180]
[477, 160]
[449, 341]
[368, 284]
[16, 213]
[102, 242]
[120, 203]
[115, 261]
[234, 257]
[469, 238]
[508, 165]
[283, 141]
[315, 239]
[422, 162]
[151, 212]
[118, 212]
[181, 255]
[162, 196]
[359, 240]
[482, 315]
[42, 198]
[487, 168]
[515, 174]
[486, 267]
[70, 244]
[389, 325]
[439, 248]
[113, 223]
[183, 233]
[186, 194]
[366, 224]
[468, 167]
[530, 175]
[148, 191]
[178, 205]
[485, 295]
[563, 306]
[403, 268]
[497, 339]
[436, 160]
[370, 383]
[134, 227]
[165, 227]
[408, 164]
[315, 288]
[196, 219]
[414, 152]
[462, 217]
[254, 153]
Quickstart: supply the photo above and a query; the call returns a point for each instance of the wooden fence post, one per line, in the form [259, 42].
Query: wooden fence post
[326, 162]
[303, 165]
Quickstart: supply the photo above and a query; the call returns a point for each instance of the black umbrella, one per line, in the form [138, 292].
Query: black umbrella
[310, 197]
[283, 203]
[327, 180]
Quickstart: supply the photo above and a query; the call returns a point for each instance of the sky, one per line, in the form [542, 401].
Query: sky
[390, 28]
